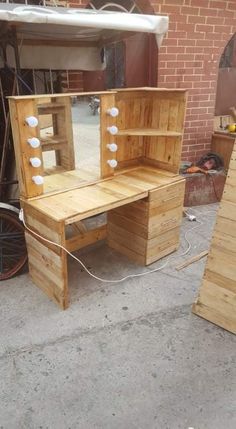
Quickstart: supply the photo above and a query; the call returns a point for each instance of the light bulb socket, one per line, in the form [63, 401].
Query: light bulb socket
[34, 142]
[35, 162]
[112, 147]
[112, 130]
[31, 121]
[112, 163]
[113, 111]
[38, 180]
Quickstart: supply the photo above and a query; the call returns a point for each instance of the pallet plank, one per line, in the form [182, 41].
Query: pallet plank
[216, 300]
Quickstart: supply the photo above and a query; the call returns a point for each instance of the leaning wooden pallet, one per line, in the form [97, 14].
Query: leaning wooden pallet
[141, 136]
[217, 297]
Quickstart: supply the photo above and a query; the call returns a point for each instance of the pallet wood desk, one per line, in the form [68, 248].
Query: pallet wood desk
[141, 193]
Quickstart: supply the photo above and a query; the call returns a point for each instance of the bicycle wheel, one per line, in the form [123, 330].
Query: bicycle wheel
[13, 252]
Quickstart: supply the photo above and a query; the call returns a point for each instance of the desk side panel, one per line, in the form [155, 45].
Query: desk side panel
[19, 111]
[47, 262]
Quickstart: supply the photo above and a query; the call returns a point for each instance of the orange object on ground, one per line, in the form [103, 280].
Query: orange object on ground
[195, 169]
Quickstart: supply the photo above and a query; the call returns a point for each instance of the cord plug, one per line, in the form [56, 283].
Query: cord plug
[191, 218]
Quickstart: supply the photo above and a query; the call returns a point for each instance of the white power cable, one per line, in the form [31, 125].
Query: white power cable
[21, 217]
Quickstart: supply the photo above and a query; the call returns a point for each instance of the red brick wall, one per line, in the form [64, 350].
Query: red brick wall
[189, 57]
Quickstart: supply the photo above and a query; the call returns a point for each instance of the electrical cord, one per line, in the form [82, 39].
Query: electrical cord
[21, 217]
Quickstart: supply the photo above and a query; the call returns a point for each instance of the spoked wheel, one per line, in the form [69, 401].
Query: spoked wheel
[13, 253]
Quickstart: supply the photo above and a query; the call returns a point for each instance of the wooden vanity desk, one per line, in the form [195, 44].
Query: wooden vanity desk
[142, 195]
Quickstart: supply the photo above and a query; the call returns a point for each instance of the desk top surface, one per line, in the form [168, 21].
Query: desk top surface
[77, 204]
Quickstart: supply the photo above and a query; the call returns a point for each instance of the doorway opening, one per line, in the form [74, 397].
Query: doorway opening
[131, 62]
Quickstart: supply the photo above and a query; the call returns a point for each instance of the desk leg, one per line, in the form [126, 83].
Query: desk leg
[47, 263]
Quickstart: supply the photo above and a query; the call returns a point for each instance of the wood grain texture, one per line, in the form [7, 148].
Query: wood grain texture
[192, 260]
[19, 111]
[106, 102]
[156, 120]
[216, 301]
[48, 270]
[86, 238]
[223, 145]
[78, 204]
[145, 230]
[143, 195]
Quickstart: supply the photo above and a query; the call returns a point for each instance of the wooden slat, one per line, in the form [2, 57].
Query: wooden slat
[217, 297]
[113, 242]
[148, 132]
[135, 212]
[227, 210]
[130, 149]
[127, 223]
[74, 179]
[44, 226]
[174, 168]
[127, 239]
[192, 260]
[106, 102]
[219, 280]
[49, 108]
[68, 94]
[62, 124]
[86, 238]
[19, 111]
[53, 143]
[227, 264]
[94, 199]
[161, 222]
[168, 192]
[145, 226]
[222, 145]
[222, 312]
[48, 270]
[139, 230]
[93, 212]
[225, 227]
[162, 245]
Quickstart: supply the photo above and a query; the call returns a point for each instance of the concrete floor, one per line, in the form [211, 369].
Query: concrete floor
[123, 356]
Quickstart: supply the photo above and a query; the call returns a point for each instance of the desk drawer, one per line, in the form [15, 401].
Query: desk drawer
[157, 224]
[163, 222]
[167, 197]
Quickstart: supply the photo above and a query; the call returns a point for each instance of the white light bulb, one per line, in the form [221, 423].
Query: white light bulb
[35, 162]
[112, 147]
[34, 142]
[31, 121]
[112, 162]
[112, 130]
[113, 111]
[38, 180]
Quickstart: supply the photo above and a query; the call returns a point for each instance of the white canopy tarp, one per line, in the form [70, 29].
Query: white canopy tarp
[61, 38]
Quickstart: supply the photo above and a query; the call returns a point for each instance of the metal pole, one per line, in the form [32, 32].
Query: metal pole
[34, 82]
[3, 103]
[51, 81]
[17, 60]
